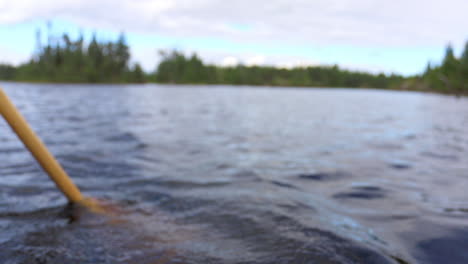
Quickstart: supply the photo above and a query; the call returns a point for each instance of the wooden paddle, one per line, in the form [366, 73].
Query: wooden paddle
[40, 152]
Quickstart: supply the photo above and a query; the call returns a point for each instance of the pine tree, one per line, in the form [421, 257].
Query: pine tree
[464, 68]
[137, 74]
[449, 64]
[122, 54]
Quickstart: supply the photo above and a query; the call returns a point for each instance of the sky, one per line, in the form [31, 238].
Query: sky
[398, 36]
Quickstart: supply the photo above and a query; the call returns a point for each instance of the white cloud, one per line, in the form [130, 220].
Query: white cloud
[233, 59]
[256, 60]
[148, 58]
[7, 55]
[322, 22]
[246, 26]
[229, 61]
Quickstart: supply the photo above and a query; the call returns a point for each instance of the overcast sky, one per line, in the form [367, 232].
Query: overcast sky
[392, 36]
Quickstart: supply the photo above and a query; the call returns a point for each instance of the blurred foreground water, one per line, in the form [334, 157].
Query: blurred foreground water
[225, 174]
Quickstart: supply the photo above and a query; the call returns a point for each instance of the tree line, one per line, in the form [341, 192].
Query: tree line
[67, 60]
[451, 76]
[77, 61]
[177, 68]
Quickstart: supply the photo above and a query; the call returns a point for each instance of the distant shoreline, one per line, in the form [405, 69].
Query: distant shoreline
[243, 85]
[70, 61]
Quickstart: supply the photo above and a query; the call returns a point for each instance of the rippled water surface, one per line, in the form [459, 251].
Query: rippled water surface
[238, 175]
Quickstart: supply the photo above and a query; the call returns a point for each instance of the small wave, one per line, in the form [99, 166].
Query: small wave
[362, 192]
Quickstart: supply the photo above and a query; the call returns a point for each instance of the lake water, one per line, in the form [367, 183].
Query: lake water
[221, 174]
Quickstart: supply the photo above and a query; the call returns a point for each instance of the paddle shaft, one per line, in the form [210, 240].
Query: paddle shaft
[37, 148]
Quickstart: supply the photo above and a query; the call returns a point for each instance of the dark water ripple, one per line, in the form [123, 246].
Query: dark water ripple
[238, 175]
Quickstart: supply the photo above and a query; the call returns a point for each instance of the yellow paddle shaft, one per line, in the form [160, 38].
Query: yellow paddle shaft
[34, 144]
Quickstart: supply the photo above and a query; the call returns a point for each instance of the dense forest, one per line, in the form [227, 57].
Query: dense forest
[77, 61]
[66, 60]
[177, 68]
[451, 76]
